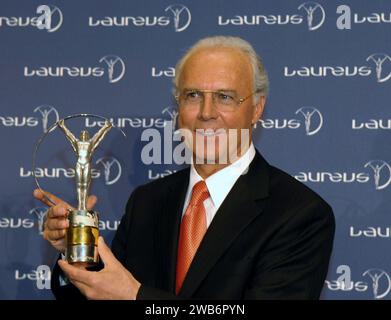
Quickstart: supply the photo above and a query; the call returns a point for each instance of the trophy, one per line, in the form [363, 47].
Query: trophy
[83, 232]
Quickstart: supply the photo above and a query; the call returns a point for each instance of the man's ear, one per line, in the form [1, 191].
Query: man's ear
[258, 110]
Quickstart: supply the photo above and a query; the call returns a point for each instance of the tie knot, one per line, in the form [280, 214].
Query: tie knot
[200, 192]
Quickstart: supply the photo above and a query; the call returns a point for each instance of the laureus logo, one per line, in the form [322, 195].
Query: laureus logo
[49, 116]
[172, 113]
[112, 169]
[312, 125]
[115, 67]
[315, 14]
[40, 213]
[379, 59]
[382, 69]
[182, 16]
[381, 282]
[381, 173]
[51, 18]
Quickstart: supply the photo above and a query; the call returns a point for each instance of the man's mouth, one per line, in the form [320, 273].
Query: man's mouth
[209, 132]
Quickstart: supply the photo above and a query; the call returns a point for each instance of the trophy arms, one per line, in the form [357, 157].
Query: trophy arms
[68, 134]
[98, 137]
[53, 127]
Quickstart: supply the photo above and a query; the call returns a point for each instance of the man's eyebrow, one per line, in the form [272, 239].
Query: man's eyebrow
[217, 90]
[226, 90]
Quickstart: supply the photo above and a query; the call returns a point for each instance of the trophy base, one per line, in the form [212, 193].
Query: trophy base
[82, 238]
[84, 255]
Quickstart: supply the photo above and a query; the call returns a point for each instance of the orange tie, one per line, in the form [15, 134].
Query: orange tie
[193, 228]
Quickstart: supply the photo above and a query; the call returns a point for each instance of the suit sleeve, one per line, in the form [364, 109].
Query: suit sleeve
[296, 263]
[118, 245]
[149, 293]
[119, 249]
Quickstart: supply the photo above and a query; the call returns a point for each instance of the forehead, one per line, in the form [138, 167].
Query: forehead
[216, 68]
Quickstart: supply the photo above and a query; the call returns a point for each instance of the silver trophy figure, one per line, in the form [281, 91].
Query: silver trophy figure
[82, 234]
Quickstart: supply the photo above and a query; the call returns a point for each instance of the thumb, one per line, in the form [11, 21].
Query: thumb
[91, 202]
[105, 253]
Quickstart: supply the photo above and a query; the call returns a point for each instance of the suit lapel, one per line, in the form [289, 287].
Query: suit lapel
[236, 212]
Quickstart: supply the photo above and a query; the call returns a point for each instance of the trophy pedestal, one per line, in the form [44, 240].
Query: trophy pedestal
[82, 238]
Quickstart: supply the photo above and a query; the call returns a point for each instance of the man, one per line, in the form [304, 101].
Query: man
[235, 229]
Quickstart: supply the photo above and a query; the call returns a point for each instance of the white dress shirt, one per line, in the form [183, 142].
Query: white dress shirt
[219, 184]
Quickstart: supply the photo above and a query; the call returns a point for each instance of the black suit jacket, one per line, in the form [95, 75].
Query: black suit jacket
[271, 238]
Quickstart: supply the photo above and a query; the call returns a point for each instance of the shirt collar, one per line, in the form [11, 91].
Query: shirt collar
[220, 183]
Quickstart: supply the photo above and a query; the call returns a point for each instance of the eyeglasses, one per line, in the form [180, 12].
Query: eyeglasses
[222, 100]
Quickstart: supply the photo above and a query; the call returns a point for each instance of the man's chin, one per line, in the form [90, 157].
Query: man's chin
[210, 157]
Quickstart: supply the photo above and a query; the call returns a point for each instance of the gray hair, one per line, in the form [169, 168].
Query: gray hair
[260, 78]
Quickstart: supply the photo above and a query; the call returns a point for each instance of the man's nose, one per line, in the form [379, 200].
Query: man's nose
[208, 107]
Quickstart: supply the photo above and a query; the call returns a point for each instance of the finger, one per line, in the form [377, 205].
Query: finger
[39, 195]
[81, 286]
[44, 195]
[59, 211]
[54, 235]
[75, 273]
[88, 292]
[105, 253]
[57, 224]
[91, 202]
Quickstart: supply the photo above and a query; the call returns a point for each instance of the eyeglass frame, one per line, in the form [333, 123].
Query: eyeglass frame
[238, 102]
